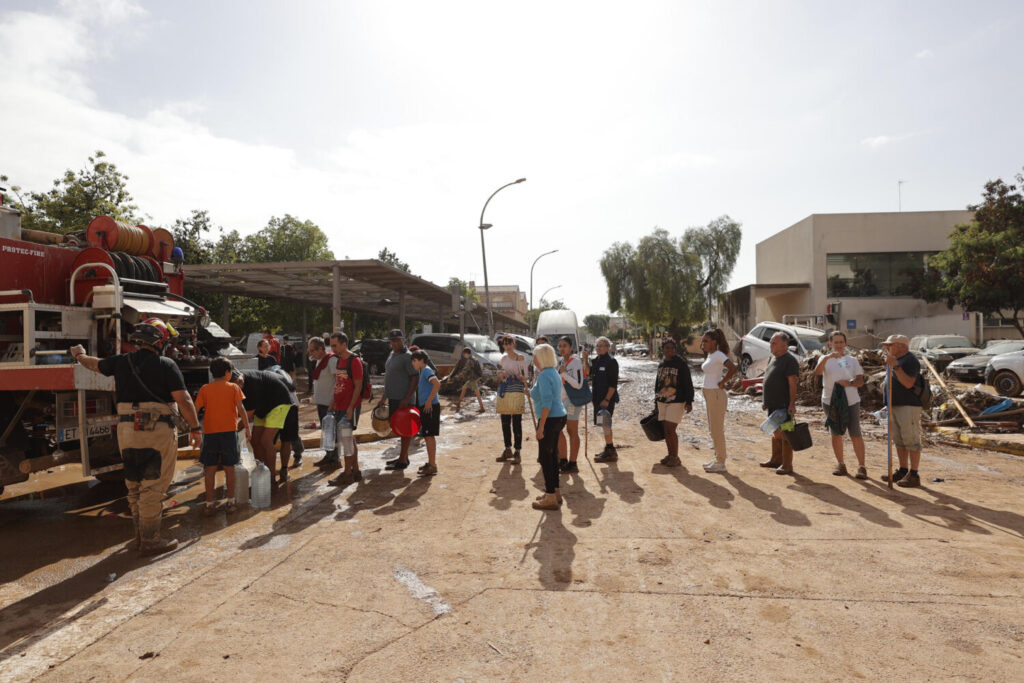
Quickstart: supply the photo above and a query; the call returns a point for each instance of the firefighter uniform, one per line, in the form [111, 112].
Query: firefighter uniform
[145, 433]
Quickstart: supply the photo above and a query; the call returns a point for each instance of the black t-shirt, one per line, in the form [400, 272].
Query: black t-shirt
[158, 373]
[265, 362]
[776, 381]
[604, 374]
[288, 358]
[264, 390]
[902, 396]
[674, 384]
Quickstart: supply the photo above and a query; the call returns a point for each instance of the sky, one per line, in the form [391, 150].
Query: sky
[389, 124]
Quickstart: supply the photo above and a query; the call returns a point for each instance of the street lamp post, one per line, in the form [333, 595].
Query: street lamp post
[548, 290]
[529, 314]
[483, 252]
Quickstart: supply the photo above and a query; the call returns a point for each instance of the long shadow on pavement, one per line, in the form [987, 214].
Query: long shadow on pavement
[554, 552]
[827, 493]
[717, 495]
[958, 514]
[768, 502]
[621, 482]
[508, 486]
[584, 505]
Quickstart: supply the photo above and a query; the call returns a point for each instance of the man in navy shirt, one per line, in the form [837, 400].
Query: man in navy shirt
[604, 377]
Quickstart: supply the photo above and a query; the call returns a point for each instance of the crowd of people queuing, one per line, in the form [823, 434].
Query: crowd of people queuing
[565, 384]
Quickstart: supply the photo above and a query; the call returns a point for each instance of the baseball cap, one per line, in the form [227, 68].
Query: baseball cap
[896, 339]
[396, 334]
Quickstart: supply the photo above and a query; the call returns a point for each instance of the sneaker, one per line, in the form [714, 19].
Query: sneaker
[297, 463]
[609, 454]
[562, 462]
[910, 480]
[208, 509]
[840, 470]
[505, 455]
[396, 465]
[670, 461]
[515, 457]
[715, 466]
[896, 476]
[570, 468]
[862, 473]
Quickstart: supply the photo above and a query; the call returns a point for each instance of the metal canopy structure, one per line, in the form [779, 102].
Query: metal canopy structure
[363, 286]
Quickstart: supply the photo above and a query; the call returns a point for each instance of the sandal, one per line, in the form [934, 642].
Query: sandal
[428, 470]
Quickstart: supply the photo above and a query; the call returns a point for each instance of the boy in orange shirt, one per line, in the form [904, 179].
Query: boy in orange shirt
[222, 400]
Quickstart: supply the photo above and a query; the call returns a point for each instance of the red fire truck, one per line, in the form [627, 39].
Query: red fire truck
[89, 289]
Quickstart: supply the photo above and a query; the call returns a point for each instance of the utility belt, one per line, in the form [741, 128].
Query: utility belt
[147, 415]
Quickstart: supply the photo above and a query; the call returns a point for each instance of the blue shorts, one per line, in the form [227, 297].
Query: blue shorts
[219, 448]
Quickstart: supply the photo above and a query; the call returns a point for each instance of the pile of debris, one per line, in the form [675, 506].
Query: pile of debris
[988, 411]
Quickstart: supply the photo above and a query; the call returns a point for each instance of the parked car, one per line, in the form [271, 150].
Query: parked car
[374, 353]
[942, 349]
[972, 368]
[754, 346]
[1005, 373]
[444, 349]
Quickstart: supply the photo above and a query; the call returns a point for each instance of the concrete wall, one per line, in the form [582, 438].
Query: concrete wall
[787, 257]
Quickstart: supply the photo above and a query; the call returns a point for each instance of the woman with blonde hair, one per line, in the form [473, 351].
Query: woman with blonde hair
[718, 370]
[547, 404]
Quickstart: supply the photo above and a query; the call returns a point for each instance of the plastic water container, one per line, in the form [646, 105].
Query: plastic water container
[345, 435]
[242, 475]
[774, 421]
[260, 485]
[328, 439]
[604, 418]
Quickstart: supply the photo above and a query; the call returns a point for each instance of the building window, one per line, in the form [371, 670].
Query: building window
[878, 274]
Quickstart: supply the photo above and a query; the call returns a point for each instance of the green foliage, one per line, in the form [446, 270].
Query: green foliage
[545, 305]
[391, 258]
[982, 270]
[77, 197]
[597, 323]
[470, 293]
[664, 281]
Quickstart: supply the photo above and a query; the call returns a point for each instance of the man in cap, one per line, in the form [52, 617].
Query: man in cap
[906, 409]
[400, 380]
[146, 383]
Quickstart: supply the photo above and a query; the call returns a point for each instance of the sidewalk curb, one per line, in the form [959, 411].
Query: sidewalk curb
[989, 443]
[189, 453]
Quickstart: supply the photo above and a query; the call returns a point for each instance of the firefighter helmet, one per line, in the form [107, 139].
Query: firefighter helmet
[151, 331]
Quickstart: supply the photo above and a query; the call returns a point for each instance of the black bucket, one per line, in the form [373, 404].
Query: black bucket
[800, 438]
[652, 427]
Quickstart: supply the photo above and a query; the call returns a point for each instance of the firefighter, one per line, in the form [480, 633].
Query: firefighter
[146, 384]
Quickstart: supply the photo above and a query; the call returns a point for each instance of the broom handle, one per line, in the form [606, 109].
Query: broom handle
[888, 416]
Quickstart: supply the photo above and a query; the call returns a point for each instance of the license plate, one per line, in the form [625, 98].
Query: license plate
[100, 428]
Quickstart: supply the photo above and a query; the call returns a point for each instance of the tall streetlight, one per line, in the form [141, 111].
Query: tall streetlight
[529, 323]
[548, 290]
[483, 252]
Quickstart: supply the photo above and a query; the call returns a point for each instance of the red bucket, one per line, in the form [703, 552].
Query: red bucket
[405, 422]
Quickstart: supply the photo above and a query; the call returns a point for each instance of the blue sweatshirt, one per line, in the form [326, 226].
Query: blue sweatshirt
[547, 393]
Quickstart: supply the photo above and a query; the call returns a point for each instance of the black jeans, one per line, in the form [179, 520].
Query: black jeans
[512, 424]
[548, 452]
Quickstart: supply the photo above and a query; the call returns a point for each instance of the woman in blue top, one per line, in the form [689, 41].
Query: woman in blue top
[547, 403]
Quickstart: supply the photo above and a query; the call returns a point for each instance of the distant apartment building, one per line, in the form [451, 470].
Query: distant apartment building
[862, 266]
[507, 299]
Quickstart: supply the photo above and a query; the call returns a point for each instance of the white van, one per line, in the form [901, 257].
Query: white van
[557, 324]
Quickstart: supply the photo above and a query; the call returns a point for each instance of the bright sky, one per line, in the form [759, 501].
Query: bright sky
[390, 123]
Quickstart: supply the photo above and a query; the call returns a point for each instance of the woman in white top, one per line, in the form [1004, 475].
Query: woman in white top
[842, 369]
[513, 371]
[570, 369]
[718, 370]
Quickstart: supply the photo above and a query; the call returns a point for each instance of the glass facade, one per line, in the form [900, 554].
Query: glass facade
[874, 274]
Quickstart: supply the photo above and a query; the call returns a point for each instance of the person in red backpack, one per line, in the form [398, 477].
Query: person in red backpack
[348, 399]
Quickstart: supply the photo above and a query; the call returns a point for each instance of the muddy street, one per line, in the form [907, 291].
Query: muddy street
[646, 572]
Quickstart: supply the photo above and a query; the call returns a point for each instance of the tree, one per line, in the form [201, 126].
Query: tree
[391, 258]
[982, 270]
[469, 293]
[597, 323]
[99, 189]
[717, 246]
[665, 281]
[545, 305]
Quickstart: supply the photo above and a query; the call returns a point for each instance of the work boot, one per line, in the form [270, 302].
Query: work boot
[136, 541]
[787, 459]
[516, 457]
[776, 455]
[329, 464]
[505, 455]
[609, 454]
[150, 541]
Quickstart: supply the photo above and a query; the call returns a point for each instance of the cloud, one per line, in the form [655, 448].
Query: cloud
[104, 12]
[879, 141]
[924, 54]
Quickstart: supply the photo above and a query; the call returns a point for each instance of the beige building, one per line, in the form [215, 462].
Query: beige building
[861, 263]
[507, 299]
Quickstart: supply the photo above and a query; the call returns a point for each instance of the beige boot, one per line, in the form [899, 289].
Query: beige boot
[787, 459]
[150, 541]
[136, 541]
[776, 455]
